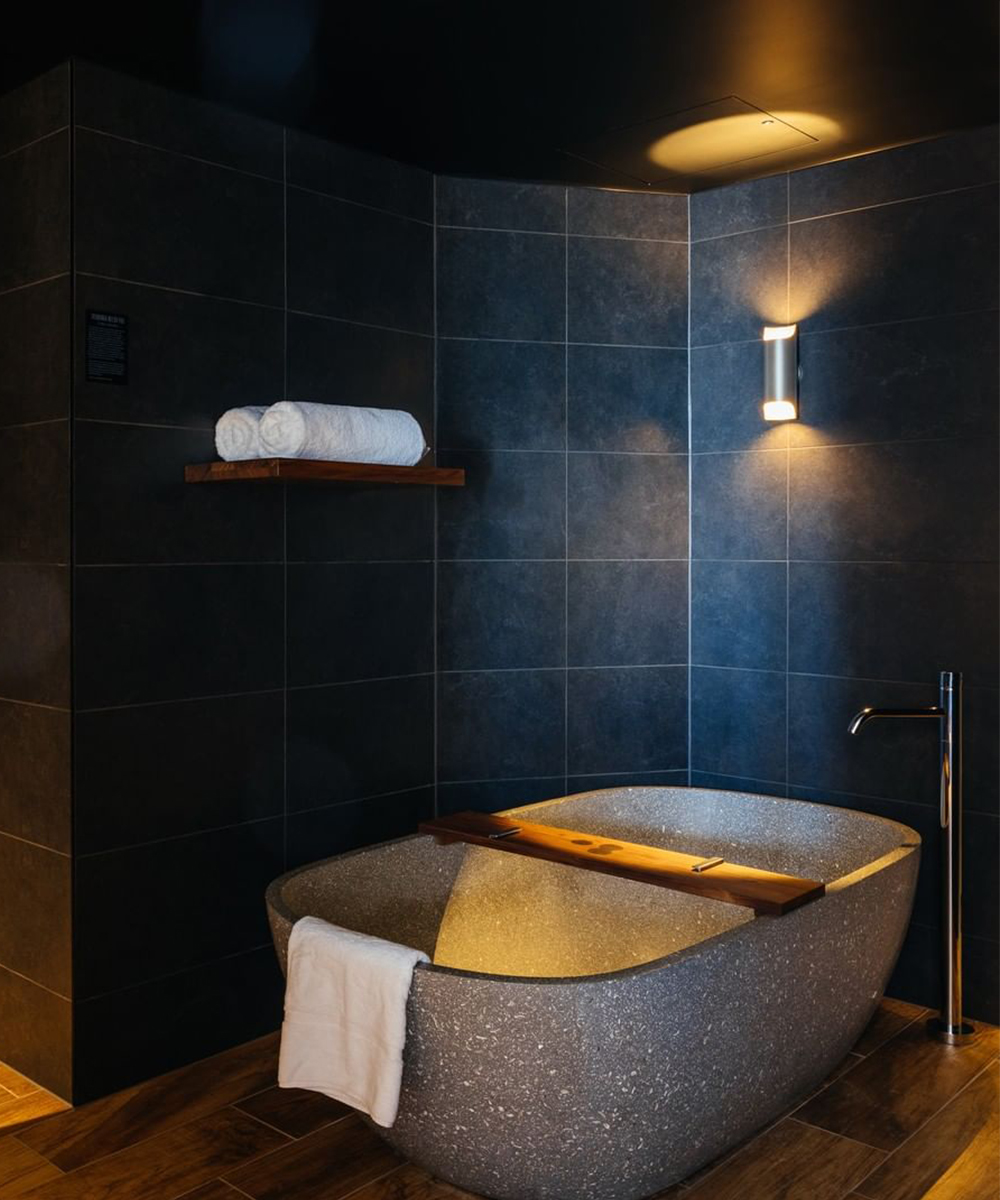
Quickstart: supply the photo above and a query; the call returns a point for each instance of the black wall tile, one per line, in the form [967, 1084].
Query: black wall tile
[897, 760]
[35, 799]
[603, 213]
[356, 175]
[357, 740]
[627, 292]
[34, 353]
[163, 770]
[170, 633]
[34, 212]
[36, 109]
[739, 208]
[898, 621]
[170, 1022]
[132, 504]
[512, 506]
[359, 522]
[639, 779]
[874, 503]
[496, 795]
[35, 634]
[738, 614]
[358, 264]
[501, 725]
[190, 357]
[738, 722]
[179, 904]
[982, 750]
[130, 108]
[938, 165]
[495, 204]
[36, 920]
[331, 362]
[734, 783]
[739, 505]
[501, 285]
[627, 613]
[919, 259]
[624, 398]
[727, 390]
[34, 493]
[178, 222]
[628, 506]
[351, 621]
[501, 395]
[323, 832]
[627, 719]
[38, 1027]
[739, 284]
[501, 614]
[982, 979]
[929, 378]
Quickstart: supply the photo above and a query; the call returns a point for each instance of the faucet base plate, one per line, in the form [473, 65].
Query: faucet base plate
[953, 1035]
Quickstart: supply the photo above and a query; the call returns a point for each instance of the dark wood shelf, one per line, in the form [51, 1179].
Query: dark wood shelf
[307, 470]
[766, 892]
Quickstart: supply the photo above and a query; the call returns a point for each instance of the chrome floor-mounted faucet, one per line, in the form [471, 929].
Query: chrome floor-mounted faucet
[949, 1027]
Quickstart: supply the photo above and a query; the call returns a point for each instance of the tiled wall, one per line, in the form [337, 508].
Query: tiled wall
[262, 676]
[35, 817]
[562, 566]
[847, 559]
[253, 669]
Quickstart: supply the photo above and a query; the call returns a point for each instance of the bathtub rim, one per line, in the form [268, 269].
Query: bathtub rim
[911, 842]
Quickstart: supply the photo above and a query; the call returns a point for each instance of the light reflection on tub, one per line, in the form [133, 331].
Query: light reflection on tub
[584, 1037]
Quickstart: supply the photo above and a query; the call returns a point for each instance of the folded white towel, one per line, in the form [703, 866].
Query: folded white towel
[345, 1016]
[237, 433]
[297, 429]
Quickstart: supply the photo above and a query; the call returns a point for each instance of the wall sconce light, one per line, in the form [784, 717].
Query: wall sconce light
[781, 372]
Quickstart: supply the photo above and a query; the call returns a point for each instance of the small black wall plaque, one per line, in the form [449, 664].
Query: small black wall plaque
[107, 347]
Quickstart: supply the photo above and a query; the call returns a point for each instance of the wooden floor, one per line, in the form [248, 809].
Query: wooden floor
[903, 1118]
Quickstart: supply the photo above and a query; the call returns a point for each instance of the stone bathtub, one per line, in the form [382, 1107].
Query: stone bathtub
[582, 1037]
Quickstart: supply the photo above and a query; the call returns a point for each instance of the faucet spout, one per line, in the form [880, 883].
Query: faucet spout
[861, 719]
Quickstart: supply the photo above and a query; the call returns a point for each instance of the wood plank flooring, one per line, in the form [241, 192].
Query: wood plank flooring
[902, 1118]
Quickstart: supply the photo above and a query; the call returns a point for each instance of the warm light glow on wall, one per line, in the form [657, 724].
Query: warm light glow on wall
[781, 373]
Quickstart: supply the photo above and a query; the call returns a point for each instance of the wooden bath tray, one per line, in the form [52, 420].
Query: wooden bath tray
[766, 892]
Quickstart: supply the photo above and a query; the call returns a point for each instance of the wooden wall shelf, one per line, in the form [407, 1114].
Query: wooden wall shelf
[766, 892]
[308, 470]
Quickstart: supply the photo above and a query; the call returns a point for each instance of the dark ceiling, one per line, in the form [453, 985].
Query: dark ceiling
[561, 91]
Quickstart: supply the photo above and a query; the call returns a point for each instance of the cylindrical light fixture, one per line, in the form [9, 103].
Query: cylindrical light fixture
[781, 372]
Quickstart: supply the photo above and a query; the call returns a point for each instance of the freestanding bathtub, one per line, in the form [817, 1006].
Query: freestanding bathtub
[578, 1036]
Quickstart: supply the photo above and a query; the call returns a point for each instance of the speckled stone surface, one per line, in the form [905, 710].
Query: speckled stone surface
[595, 1039]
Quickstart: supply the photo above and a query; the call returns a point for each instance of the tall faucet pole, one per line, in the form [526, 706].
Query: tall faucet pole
[949, 1027]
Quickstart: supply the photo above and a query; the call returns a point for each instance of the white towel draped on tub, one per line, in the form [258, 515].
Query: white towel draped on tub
[345, 1016]
[338, 432]
[237, 433]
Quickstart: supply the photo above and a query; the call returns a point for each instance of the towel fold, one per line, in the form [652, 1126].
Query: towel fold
[298, 429]
[345, 1016]
[237, 433]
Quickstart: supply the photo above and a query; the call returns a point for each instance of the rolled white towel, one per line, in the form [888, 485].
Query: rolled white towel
[298, 429]
[237, 433]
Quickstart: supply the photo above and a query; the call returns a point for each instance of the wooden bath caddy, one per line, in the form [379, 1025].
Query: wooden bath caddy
[766, 892]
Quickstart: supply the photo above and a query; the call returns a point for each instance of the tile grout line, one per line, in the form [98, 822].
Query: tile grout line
[566, 775]
[946, 315]
[788, 471]
[690, 520]
[284, 509]
[435, 517]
